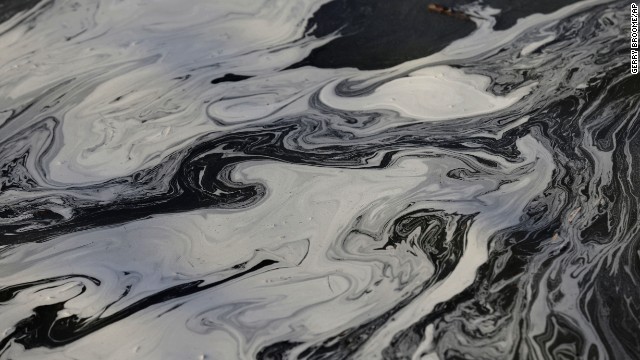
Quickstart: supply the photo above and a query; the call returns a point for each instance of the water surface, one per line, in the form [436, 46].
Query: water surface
[344, 179]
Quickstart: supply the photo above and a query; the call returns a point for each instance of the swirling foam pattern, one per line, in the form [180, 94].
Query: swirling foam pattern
[172, 187]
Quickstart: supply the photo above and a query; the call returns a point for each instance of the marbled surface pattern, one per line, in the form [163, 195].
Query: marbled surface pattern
[196, 180]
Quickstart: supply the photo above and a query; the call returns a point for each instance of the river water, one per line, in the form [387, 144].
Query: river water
[311, 179]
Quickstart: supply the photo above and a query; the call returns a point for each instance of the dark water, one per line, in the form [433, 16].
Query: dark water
[318, 180]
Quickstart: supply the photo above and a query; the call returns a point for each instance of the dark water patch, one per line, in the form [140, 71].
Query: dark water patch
[230, 78]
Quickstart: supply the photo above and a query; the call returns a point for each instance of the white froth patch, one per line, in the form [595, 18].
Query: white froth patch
[138, 51]
[305, 210]
[430, 94]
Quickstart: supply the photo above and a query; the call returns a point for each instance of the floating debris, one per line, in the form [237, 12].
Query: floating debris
[440, 9]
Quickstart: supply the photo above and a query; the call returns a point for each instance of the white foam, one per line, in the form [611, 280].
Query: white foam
[536, 45]
[429, 94]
